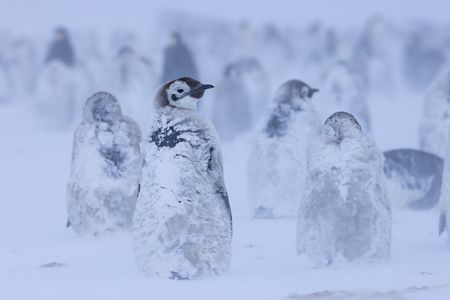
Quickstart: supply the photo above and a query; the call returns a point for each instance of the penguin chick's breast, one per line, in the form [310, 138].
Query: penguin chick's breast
[182, 225]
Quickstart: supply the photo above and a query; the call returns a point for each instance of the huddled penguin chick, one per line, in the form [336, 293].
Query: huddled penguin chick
[434, 129]
[106, 163]
[344, 214]
[182, 224]
[277, 164]
[344, 90]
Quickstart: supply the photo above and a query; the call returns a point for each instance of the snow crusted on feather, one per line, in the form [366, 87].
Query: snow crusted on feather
[435, 126]
[277, 164]
[344, 214]
[105, 173]
[182, 224]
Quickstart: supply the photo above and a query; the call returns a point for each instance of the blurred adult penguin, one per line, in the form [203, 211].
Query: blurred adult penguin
[277, 164]
[182, 224]
[61, 84]
[344, 90]
[61, 48]
[132, 77]
[344, 214]
[178, 60]
[106, 164]
[232, 113]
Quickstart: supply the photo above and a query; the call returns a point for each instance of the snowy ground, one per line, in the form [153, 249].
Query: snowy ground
[40, 259]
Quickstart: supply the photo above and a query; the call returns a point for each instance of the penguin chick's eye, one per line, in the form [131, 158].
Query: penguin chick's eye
[180, 91]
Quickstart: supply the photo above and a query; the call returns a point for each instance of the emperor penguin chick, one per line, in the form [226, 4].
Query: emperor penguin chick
[277, 164]
[182, 224]
[344, 214]
[106, 161]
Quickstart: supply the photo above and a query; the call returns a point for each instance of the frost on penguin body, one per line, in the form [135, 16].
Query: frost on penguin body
[434, 129]
[277, 165]
[182, 224]
[106, 163]
[344, 214]
[344, 90]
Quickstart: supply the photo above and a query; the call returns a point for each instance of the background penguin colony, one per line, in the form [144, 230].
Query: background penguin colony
[309, 128]
[182, 225]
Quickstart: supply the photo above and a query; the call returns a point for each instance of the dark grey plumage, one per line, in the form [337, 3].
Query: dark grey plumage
[61, 48]
[178, 61]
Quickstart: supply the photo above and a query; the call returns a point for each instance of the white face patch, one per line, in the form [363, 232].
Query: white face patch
[177, 95]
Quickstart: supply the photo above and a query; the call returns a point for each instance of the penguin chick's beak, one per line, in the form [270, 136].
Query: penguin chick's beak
[311, 92]
[198, 91]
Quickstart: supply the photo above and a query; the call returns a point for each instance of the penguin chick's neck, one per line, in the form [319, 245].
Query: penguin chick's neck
[187, 102]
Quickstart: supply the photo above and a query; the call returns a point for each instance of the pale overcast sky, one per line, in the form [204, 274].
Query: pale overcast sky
[35, 15]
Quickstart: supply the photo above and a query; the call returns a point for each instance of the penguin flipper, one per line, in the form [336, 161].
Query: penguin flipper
[442, 223]
[68, 224]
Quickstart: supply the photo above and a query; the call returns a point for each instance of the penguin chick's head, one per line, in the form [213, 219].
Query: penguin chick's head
[181, 93]
[293, 92]
[102, 107]
[342, 125]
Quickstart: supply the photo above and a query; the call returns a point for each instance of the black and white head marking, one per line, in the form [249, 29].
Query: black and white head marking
[181, 93]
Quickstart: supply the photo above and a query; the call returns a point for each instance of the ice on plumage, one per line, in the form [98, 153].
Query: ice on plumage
[434, 129]
[277, 163]
[413, 178]
[106, 164]
[344, 214]
[182, 224]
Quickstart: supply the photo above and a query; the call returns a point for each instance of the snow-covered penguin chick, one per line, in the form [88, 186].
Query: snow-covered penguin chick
[434, 130]
[344, 214]
[106, 163]
[182, 225]
[277, 164]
